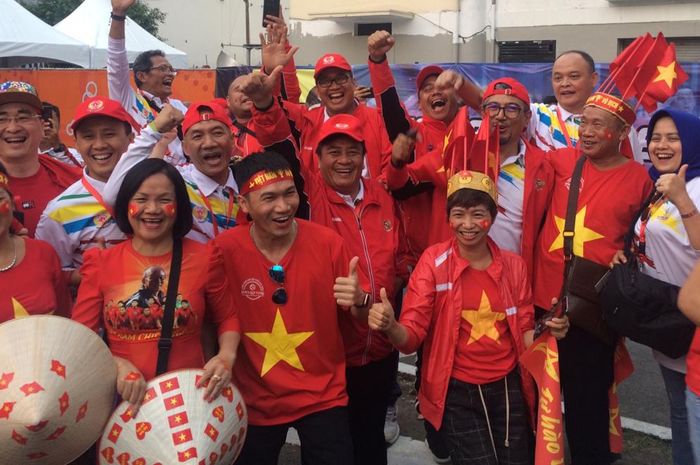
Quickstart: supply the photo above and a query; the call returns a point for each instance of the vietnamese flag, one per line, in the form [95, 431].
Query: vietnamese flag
[182, 436]
[639, 66]
[169, 385]
[5, 380]
[542, 361]
[669, 77]
[178, 420]
[622, 369]
[623, 67]
[457, 142]
[150, 395]
[484, 152]
[173, 402]
[212, 432]
[186, 455]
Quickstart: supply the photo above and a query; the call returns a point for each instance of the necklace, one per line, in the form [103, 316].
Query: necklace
[14, 258]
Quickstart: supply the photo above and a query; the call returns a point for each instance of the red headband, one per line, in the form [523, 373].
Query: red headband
[265, 178]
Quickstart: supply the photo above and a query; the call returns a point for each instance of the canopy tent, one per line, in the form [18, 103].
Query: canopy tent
[25, 39]
[89, 24]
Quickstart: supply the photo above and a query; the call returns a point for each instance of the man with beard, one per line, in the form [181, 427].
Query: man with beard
[153, 75]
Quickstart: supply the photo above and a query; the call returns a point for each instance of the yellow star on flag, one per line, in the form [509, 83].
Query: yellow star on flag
[667, 74]
[665, 218]
[280, 346]
[483, 321]
[581, 233]
[445, 142]
[20, 311]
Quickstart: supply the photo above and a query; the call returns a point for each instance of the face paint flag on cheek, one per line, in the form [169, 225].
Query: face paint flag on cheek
[134, 209]
[484, 224]
[169, 209]
[4, 207]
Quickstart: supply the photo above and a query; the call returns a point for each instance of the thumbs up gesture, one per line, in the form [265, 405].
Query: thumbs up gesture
[672, 185]
[381, 315]
[347, 290]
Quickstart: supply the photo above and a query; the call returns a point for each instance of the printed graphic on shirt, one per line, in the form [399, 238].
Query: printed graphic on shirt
[139, 316]
[663, 215]
[582, 234]
[483, 321]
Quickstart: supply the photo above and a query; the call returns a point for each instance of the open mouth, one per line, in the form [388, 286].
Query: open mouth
[168, 82]
[282, 220]
[151, 223]
[16, 140]
[212, 158]
[469, 235]
[438, 103]
[336, 97]
[664, 156]
[101, 157]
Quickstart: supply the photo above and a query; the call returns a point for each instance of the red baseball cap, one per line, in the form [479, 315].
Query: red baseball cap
[331, 60]
[425, 73]
[205, 111]
[102, 106]
[509, 86]
[345, 124]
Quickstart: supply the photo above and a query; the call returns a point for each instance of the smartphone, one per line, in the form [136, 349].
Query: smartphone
[558, 310]
[47, 114]
[272, 8]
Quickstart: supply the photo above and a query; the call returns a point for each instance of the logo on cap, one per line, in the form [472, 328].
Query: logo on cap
[342, 126]
[328, 59]
[96, 105]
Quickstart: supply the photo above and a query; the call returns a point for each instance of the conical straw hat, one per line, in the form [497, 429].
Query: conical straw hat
[57, 383]
[175, 425]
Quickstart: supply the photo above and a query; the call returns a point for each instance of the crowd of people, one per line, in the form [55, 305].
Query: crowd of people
[294, 249]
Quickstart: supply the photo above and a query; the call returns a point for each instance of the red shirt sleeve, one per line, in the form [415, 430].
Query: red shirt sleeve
[88, 307]
[220, 305]
[524, 304]
[418, 304]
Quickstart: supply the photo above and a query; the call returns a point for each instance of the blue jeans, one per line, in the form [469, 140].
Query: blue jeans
[675, 389]
[692, 403]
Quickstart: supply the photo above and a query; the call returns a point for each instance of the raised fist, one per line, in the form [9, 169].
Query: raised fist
[378, 44]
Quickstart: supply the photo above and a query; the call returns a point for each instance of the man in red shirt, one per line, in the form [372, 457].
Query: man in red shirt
[34, 178]
[612, 190]
[294, 282]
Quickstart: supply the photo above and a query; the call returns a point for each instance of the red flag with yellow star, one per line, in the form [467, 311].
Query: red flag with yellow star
[542, 361]
[623, 369]
[484, 152]
[669, 76]
[457, 142]
[186, 455]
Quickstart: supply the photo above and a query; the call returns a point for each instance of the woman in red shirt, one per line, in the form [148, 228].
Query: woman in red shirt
[153, 209]
[31, 281]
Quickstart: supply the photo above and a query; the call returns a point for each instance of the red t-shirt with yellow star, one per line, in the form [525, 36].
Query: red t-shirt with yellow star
[34, 286]
[607, 203]
[291, 360]
[124, 292]
[485, 350]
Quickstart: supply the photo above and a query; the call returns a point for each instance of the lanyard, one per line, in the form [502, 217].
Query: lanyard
[564, 130]
[91, 189]
[648, 214]
[214, 223]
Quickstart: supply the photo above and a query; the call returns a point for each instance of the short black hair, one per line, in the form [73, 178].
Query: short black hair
[335, 137]
[259, 161]
[53, 108]
[143, 63]
[469, 198]
[133, 180]
[586, 57]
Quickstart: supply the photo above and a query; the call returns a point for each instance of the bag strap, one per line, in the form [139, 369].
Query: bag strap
[158, 109]
[653, 197]
[165, 342]
[570, 222]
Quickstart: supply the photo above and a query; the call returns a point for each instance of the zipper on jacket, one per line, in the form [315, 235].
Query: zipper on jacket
[370, 275]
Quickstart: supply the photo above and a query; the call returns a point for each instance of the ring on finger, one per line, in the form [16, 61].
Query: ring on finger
[216, 378]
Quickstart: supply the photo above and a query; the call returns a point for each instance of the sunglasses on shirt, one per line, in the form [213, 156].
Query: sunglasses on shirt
[279, 297]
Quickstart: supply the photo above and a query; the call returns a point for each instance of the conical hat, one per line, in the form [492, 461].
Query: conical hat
[176, 425]
[57, 384]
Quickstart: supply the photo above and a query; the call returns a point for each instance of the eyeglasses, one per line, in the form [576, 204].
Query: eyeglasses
[277, 274]
[22, 120]
[326, 83]
[511, 110]
[165, 69]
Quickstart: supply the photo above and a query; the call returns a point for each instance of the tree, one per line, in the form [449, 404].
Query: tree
[53, 11]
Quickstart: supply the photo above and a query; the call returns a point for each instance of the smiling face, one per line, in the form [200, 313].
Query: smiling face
[272, 208]
[159, 79]
[511, 119]
[573, 81]
[600, 133]
[665, 149]
[341, 160]
[239, 104]
[150, 222]
[336, 90]
[209, 145]
[470, 225]
[438, 104]
[101, 141]
[21, 135]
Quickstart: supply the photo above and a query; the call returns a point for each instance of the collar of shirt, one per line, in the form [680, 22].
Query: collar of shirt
[358, 198]
[518, 158]
[566, 115]
[99, 185]
[208, 186]
[156, 100]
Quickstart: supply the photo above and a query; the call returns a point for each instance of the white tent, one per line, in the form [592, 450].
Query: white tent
[89, 24]
[24, 38]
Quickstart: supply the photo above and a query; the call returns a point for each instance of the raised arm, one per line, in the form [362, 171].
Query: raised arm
[118, 78]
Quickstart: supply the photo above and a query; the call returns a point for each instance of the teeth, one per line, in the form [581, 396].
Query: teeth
[102, 157]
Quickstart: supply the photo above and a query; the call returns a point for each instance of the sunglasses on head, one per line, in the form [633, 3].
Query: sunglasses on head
[279, 297]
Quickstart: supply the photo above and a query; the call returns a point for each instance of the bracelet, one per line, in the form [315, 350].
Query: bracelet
[690, 214]
[117, 17]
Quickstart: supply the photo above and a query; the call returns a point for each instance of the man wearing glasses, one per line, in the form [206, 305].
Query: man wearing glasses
[335, 86]
[153, 75]
[35, 179]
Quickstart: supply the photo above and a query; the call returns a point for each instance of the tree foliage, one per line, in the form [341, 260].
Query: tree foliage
[53, 11]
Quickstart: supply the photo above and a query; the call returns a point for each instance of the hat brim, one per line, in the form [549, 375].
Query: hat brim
[326, 68]
[21, 97]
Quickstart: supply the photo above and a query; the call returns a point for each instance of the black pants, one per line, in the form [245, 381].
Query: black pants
[369, 389]
[324, 435]
[466, 430]
[586, 370]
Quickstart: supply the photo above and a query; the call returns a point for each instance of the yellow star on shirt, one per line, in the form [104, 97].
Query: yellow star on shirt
[483, 321]
[662, 214]
[19, 310]
[667, 74]
[581, 233]
[280, 346]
